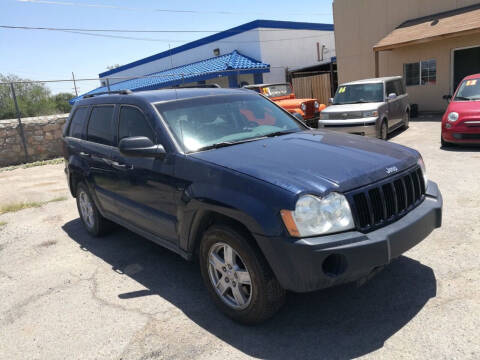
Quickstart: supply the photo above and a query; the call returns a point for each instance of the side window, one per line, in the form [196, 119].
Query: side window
[399, 87]
[100, 129]
[77, 122]
[133, 123]
[390, 88]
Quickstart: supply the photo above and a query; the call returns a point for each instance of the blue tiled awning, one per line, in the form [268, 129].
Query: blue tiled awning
[232, 63]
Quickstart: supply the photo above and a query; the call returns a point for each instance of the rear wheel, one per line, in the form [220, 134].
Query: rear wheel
[237, 276]
[95, 223]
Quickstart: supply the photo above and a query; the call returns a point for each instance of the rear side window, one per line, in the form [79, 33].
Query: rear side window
[77, 122]
[100, 129]
[133, 123]
[400, 89]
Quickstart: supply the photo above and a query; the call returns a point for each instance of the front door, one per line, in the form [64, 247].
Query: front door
[145, 188]
[394, 106]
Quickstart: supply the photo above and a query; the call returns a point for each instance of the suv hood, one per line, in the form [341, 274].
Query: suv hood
[314, 161]
[352, 107]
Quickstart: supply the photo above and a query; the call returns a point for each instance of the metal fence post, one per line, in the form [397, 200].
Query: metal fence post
[20, 125]
[108, 85]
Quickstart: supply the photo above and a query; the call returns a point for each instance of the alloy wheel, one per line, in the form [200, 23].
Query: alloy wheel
[86, 209]
[229, 276]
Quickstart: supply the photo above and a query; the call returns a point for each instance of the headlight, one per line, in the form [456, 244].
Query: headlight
[323, 116]
[424, 171]
[303, 107]
[368, 114]
[318, 216]
[453, 116]
[316, 104]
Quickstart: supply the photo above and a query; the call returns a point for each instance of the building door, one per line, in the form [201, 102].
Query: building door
[465, 62]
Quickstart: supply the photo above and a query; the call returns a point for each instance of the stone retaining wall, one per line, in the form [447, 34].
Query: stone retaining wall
[43, 136]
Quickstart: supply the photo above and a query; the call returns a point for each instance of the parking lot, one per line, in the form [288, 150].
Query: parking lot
[64, 294]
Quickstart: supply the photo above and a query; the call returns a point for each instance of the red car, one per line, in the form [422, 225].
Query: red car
[461, 122]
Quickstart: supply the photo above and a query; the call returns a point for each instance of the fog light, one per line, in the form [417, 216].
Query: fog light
[448, 126]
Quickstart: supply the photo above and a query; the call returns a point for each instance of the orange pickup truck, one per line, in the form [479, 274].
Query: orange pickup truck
[284, 96]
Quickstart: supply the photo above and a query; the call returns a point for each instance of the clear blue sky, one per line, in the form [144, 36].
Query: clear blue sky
[54, 55]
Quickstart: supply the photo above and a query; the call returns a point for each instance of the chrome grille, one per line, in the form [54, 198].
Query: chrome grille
[345, 115]
[385, 202]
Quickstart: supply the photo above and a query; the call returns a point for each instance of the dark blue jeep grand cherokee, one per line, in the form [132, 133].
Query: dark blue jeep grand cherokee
[265, 203]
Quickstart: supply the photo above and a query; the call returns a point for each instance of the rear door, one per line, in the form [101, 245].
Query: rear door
[144, 187]
[97, 151]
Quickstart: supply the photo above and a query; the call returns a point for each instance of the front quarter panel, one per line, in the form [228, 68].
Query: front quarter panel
[209, 187]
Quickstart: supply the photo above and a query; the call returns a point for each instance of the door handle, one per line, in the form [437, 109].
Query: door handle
[84, 154]
[119, 166]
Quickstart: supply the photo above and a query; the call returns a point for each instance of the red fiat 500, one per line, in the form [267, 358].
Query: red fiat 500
[461, 122]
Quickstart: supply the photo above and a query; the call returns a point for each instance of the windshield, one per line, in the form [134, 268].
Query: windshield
[202, 123]
[359, 93]
[469, 90]
[277, 90]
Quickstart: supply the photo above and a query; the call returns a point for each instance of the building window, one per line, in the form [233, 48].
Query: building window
[420, 73]
[429, 72]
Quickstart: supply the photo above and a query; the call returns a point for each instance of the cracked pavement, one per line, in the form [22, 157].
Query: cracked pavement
[65, 295]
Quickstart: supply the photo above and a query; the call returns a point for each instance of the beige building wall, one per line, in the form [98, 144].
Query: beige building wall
[360, 24]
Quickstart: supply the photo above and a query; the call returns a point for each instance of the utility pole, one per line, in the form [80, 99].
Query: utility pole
[74, 84]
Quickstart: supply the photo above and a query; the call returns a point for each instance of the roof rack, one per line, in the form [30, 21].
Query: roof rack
[198, 86]
[121, 92]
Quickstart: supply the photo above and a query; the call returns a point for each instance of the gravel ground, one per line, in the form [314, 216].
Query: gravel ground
[66, 295]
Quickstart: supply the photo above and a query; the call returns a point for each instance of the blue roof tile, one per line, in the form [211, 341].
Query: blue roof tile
[197, 71]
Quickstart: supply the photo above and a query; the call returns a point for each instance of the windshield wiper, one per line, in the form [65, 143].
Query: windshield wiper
[462, 98]
[230, 143]
[227, 143]
[218, 145]
[279, 133]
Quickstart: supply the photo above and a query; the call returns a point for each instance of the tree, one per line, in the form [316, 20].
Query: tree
[34, 99]
[62, 102]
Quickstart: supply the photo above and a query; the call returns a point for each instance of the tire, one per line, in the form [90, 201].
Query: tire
[406, 120]
[261, 299]
[95, 223]
[443, 143]
[383, 132]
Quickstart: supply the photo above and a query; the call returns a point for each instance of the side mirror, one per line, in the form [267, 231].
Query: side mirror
[140, 146]
[447, 97]
[330, 101]
[392, 96]
[298, 116]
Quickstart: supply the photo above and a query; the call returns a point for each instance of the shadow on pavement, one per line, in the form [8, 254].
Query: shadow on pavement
[343, 322]
[465, 148]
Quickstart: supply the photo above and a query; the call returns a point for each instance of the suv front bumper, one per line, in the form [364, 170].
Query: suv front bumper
[309, 264]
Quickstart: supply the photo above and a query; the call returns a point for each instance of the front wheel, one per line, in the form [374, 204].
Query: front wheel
[383, 133]
[237, 276]
[406, 120]
[444, 143]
